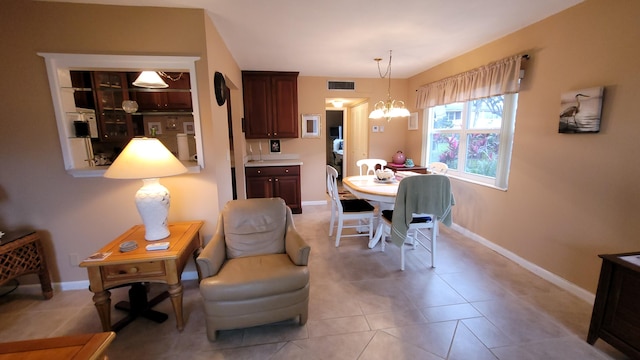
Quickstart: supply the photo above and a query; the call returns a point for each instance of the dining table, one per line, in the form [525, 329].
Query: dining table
[368, 187]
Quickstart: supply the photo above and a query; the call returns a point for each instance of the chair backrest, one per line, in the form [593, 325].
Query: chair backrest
[332, 186]
[424, 194]
[438, 167]
[254, 226]
[368, 166]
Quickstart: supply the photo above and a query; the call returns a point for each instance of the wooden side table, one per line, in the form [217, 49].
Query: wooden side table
[139, 266]
[78, 347]
[24, 255]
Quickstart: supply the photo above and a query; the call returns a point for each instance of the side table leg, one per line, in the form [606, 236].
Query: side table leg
[175, 292]
[102, 301]
[45, 283]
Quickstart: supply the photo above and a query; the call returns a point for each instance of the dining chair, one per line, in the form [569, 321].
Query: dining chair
[421, 202]
[437, 167]
[368, 166]
[348, 210]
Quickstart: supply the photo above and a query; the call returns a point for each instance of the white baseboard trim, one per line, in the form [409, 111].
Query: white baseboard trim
[547, 275]
[83, 284]
[316, 202]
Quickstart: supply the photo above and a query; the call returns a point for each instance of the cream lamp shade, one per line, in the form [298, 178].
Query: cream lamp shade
[148, 159]
[151, 80]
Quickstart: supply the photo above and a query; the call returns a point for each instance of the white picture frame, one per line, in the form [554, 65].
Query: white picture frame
[310, 125]
[154, 125]
[188, 127]
[413, 121]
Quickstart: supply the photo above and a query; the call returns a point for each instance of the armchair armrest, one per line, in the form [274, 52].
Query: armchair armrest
[295, 246]
[214, 254]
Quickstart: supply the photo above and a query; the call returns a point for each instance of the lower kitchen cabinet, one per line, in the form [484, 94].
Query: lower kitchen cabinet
[275, 181]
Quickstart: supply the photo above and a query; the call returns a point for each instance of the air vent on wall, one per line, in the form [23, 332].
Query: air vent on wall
[341, 85]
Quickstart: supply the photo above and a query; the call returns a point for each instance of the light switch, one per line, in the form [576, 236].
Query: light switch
[381, 128]
[374, 128]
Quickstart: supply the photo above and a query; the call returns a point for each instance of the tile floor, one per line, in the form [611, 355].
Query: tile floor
[475, 304]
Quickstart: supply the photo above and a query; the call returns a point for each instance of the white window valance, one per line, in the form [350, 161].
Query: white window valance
[497, 78]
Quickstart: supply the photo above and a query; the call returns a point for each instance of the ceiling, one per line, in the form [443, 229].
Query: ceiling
[340, 39]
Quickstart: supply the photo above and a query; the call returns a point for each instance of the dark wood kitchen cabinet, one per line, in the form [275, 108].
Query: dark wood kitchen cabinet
[177, 97]
[275, 181]
[270, 104]
[616, 310]
[114, 124]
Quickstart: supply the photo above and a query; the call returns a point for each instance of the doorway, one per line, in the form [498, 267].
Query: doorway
[335, 139]
[347, 120]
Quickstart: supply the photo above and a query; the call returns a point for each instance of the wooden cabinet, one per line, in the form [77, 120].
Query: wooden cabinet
[114, 124]
[275, 181]
[616, 310]
[270, 104]
[177, 97]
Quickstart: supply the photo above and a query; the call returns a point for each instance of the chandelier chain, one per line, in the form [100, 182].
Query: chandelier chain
[165, 75]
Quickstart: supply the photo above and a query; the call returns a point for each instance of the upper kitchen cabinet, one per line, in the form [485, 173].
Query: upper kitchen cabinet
[177, 97]
[270, 104]
[114, 124]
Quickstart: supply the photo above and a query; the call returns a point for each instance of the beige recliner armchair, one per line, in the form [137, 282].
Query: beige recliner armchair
[254, 269]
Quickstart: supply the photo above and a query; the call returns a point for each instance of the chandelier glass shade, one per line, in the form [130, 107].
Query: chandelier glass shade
[390, 108]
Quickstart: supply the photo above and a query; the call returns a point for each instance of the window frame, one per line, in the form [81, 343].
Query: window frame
[506, 134]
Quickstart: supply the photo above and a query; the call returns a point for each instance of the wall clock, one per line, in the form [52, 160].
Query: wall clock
[220, 88]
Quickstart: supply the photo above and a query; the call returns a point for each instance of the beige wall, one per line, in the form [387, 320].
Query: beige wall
[79, 215]
[570, 197]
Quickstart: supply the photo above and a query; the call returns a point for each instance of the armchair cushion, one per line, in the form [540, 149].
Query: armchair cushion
[254, 277]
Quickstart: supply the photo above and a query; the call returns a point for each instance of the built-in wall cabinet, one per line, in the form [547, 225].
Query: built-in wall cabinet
[270, 104]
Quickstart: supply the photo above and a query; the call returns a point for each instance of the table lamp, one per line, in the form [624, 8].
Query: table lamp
[148, 159]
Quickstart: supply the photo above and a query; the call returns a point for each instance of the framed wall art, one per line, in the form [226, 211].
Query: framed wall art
[188, 127]
[310, 125]
[580, 111]
[154, 128]
[274, 147]
[413, 121]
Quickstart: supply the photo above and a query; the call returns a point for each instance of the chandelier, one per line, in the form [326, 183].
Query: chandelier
[390, 108]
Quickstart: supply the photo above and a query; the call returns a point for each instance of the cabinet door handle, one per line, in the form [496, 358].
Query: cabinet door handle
[270, 179]
[259, 171]
[286, 170]
[276, 179]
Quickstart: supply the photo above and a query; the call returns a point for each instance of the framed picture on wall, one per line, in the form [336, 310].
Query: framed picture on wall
[188, 127]
[310, 125]
[154, 128]
[274, 146]
[581, 111]
[413, 121]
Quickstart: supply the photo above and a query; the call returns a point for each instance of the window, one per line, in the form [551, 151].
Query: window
[474, 138]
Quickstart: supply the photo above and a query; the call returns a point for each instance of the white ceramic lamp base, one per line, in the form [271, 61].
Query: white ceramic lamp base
[152, 201]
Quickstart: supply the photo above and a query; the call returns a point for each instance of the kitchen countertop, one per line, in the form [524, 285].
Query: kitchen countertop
[281, 162]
